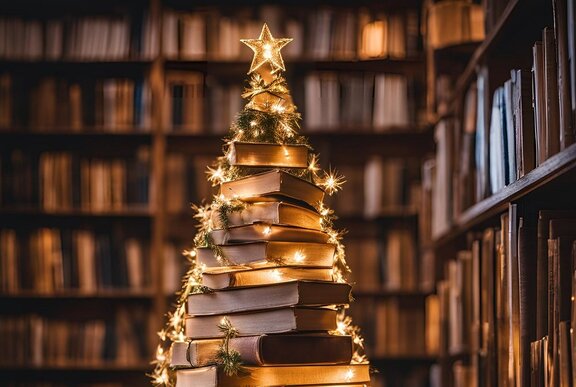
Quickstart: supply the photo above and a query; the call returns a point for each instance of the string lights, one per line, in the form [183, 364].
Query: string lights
[270, 117]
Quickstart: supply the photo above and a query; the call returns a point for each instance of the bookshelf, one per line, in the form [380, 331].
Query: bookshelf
[150, 129]
[489, 238]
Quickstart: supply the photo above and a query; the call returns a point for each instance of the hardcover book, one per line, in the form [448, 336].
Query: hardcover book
[268, 155]
[281, 320]
[271, 212]
[254, 253]
[235, 277]
[288, 349]
[272, 184]
[275, 376]
[267, 232]
[298, 293]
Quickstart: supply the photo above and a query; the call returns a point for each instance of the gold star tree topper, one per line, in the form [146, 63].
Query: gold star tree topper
[266, 50]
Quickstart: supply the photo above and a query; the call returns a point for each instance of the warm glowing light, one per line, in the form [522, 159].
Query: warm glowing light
[267, 51]
[278, 108]
[341, 328]
[313, 164]
[276, 275]
[253, 123]
[160, 356]
[267, 230]
[216, 175]
[349, 374]
[162, 334]
[180, 337]
[299, 256]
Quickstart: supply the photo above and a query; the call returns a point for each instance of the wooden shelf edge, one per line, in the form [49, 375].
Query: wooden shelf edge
[88, 133]
[124, 213]
[103, 367]
[549, 170]
[72, 295]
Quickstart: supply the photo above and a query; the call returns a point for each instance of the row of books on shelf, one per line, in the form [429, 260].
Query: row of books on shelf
[502, 137]
[508, 302]
[330, 33]
[389, 263]
[34, 340]
[52, 261]
[332, 101]
[377, 101]
[195, 103]
[48, 103]
[82, 38]
[56, 181]
[379, 185]
[384, 324]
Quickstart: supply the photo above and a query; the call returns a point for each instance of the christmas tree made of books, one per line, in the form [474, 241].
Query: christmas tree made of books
[263, 303]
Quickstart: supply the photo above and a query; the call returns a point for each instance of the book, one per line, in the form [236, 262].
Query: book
[543, 232]
[527, 266]
[276, 376]
[562, 42]
[298, 293]
[271, 212]
[538, 102]
[236, 277]
[272, 184]
[552, 133]
[289, 253]
[523, 122]
[268, 155]
[287, 349]
[269, 321]
[267, 232]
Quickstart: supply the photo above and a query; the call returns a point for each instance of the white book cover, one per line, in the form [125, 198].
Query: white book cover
[193, 45]
[170, 35]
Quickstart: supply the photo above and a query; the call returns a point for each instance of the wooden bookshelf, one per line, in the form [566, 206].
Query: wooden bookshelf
[342, 145]
[505, 218]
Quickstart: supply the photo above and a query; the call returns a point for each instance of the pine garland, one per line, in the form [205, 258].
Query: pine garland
[228, 359]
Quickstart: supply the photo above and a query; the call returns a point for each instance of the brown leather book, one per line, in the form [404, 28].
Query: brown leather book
[257, 253]
[310, 375]
[268, 155]
[527, 294]
[283, 349]
[283, 320]
[267, 232]
[270, 185]
[298, 293]
[281, 213]
[227, 277]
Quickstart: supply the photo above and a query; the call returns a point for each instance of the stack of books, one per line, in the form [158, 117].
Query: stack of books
[271, 278]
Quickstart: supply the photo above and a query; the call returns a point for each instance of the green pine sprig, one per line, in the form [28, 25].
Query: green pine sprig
[228, 359]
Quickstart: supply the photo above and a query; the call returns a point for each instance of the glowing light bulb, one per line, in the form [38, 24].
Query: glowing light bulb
[276, 275]
[180, 337]
[267, 230]
[349, 374]
[299, 256]
[341, 327]
[252, 123]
